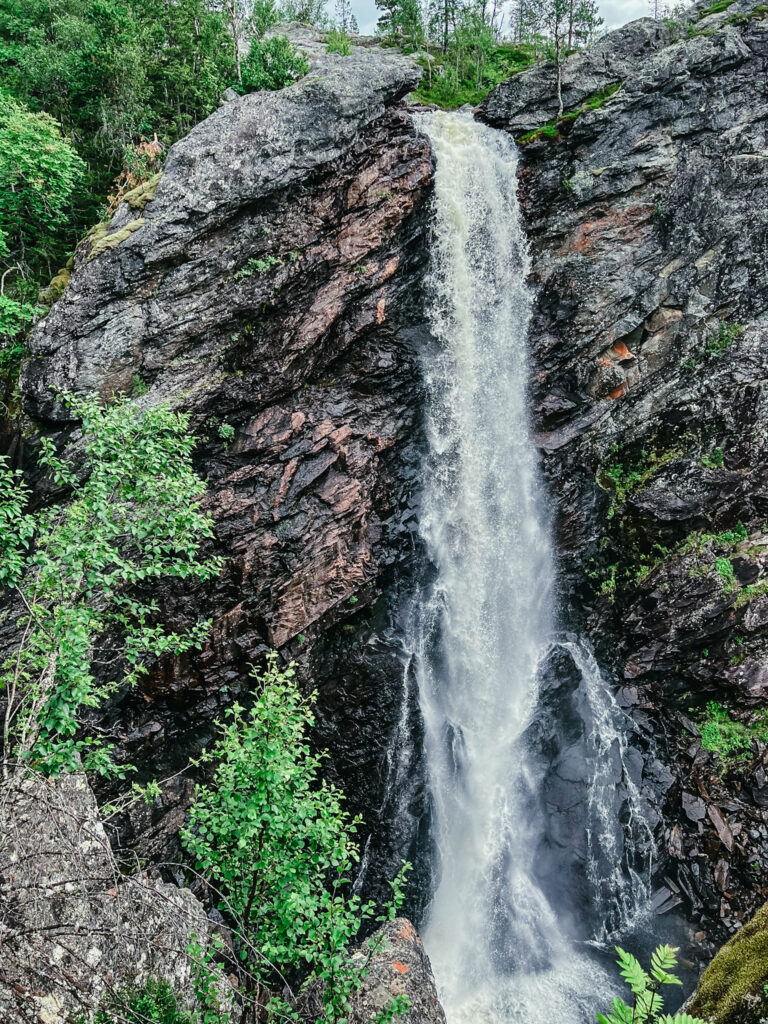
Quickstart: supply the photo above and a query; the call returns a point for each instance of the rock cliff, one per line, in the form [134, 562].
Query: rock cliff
[648, 220]
[268, 283]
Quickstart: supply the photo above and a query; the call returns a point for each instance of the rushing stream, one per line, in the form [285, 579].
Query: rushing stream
[502, 948]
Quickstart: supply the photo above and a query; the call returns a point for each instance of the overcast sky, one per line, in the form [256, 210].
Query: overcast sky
[614, 12]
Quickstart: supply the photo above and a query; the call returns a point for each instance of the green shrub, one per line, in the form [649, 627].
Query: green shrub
[338, 42]
[154, 1002]
[272, 64]
[647, 1003]
[132, 518]
[724, 569]
[273, 839]
[714, 460]
[722, 341]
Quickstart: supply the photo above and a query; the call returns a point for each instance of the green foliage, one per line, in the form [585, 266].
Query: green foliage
[14, 317]
[751, 593]
[338, 41]
[722, 341]
[154, 1002]
[274, 840]
[714, 460]
[724, 569]
[728, 738]
[114, 72]
[78, 569]
[626, 480]
[716, 8]
[398, 1006]
[258, 266]
[272, 64]
[226, 432]
[470, 69]
[647, 1003]
[39, 172]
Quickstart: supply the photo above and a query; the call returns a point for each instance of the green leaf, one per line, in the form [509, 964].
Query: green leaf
[631, 971]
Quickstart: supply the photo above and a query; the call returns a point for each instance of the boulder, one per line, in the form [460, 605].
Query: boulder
[73, 928]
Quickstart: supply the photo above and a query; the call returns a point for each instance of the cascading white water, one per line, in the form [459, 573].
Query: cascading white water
[496, 945]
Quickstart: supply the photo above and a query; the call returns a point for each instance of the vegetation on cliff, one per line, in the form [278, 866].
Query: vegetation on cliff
[268, 837]
[734, 988]
[77, 572]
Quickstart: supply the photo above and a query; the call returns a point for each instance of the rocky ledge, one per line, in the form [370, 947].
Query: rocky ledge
[647, 211]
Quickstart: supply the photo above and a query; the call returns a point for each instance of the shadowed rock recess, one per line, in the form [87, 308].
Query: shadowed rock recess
[647, 211]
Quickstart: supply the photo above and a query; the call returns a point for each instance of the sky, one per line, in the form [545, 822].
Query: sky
[614, 12]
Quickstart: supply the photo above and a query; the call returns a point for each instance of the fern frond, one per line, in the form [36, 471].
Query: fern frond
[648, 1006]
[620, 1014]
[663, 960]
[680, 1018]
[632, 972]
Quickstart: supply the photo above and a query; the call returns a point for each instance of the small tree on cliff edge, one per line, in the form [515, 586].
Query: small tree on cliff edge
[556, 20]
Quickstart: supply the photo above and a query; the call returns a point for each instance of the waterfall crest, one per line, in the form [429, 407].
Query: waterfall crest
[499, 952]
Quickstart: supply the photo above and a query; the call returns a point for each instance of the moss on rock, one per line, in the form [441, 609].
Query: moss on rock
[101, 241]
[731, 990]
[47, 296]
[138, 197]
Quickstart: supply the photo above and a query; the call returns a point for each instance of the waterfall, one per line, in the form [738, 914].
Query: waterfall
[498, 947]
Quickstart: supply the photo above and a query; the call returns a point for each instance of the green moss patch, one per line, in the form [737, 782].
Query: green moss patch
[138, 197]
[57, 285]
[101, 241]
[732, 989]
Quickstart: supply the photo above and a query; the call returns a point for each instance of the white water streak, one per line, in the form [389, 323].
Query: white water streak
[494, 940]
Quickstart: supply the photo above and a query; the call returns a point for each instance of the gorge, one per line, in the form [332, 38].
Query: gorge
[492, 475]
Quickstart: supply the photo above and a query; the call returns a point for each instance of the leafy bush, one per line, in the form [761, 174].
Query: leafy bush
[714, 460]
[14, 317]
[338, 42]
[275, 842]
[132, 518]
[647, 1003]
[154, 1002]
[272, 64]
[722, 341]
[39, 172]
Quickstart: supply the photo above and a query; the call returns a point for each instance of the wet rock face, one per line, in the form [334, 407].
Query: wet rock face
[269, 286]
[648, 221]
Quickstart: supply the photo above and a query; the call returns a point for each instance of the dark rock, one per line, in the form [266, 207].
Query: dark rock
[651, 318]
[272, 285]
